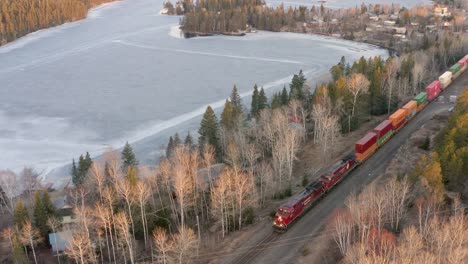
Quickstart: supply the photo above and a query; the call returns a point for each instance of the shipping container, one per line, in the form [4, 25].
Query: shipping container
[384, 131]
[463, 62]
[398, 118]
[421, 98]
[433, 90]
[360, 157]
[445, 80]
[366, 146]
[455, 70]
[366, 142]
[411, 109]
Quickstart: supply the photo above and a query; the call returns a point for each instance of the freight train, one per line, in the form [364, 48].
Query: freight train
[298, 205]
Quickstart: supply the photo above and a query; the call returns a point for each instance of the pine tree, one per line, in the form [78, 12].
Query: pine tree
[170, 147]
[128, 158]
[20, 215]
[297, 86]
[177, 140]
[276, 101]
[188, 142]
[88, 162]
[236, 102]
[228, 116]
[262, 100]
[209, 132]
[43, 209]
[74, 173]
[284, 96]
[254, 107]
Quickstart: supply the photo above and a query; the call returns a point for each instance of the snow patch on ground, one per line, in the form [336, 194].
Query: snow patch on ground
[97, 11]
[175, 32]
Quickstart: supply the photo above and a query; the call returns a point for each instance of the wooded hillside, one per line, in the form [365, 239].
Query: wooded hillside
[20, 17]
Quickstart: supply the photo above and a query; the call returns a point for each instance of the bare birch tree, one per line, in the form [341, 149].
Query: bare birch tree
[357, 85]
[164, 245]
[184, 243]
[54, 224]
[122, 223]
[30, 236]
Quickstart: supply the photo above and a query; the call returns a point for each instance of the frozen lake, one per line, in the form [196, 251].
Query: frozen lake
[124, 75]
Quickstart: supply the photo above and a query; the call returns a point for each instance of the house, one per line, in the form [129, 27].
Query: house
[65, 212]
[60, 241]
[389, 23]
[442, 11]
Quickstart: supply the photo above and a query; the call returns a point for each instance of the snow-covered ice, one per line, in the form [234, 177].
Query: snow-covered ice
[124, 77]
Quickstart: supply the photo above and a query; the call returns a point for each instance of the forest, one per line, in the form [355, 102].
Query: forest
[215, 183]
[20, 17]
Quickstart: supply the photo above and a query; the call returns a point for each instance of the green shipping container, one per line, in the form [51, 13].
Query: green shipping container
[421, 98]
[455, 68]
[383, 139]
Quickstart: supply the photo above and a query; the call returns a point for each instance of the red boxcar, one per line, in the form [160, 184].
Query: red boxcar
[297, 205]
[463, 62]
[337, 172]
[433, 90]
[366, 142]
[383, 128]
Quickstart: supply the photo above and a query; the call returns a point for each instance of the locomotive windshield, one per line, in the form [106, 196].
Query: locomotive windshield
[282, 212]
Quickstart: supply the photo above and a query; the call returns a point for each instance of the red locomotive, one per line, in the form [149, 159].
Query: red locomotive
[297, 205]
[337, 172]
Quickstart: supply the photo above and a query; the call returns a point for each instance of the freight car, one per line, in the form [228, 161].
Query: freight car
[364, 148]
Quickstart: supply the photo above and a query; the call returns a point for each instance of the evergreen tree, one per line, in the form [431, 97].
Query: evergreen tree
[170, 147]
[284, 96]
[209, 132]
[177, 140]
[228, 118]
[276, 101]
[188, 142]
[128, 158]
[262, 100]
[88, 162]
[255, 104]
[297, 86]
[74, 173]
[20, 215]
[43, 209]
[236, 102]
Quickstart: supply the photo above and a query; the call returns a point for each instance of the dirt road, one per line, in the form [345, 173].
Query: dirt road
[286, 248]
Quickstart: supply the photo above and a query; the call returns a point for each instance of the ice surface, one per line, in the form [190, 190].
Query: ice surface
[125, 77]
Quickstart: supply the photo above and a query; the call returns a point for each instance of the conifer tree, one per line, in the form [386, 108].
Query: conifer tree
[188, 142]
[297, 86]
[43, 209]
[262, 100]
[128, 158]
[228, 116]
[284, 96]
[170, 147]
[254, 106]
[177, 140]
[276, 101]
[209, 132]
[20, 215]
[236, 102]
[74, 173]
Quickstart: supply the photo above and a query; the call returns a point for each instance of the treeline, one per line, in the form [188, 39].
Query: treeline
[20, 17]
[452, 146]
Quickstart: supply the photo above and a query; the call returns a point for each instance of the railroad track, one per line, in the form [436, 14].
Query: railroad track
[253, 251]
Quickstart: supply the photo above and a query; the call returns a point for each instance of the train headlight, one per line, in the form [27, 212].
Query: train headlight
[280, 218]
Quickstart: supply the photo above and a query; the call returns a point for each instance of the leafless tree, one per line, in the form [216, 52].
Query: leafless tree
[164, 245]
[105, 220]
[184, 243]
[80, 248]
[342, 228]
[122, 222]
[357, 85]
[29, 180]
[219, 200]
[125, 189]
[142, 195]
[30, 236]
[243, 190]
[10, 184]
[396, 193]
